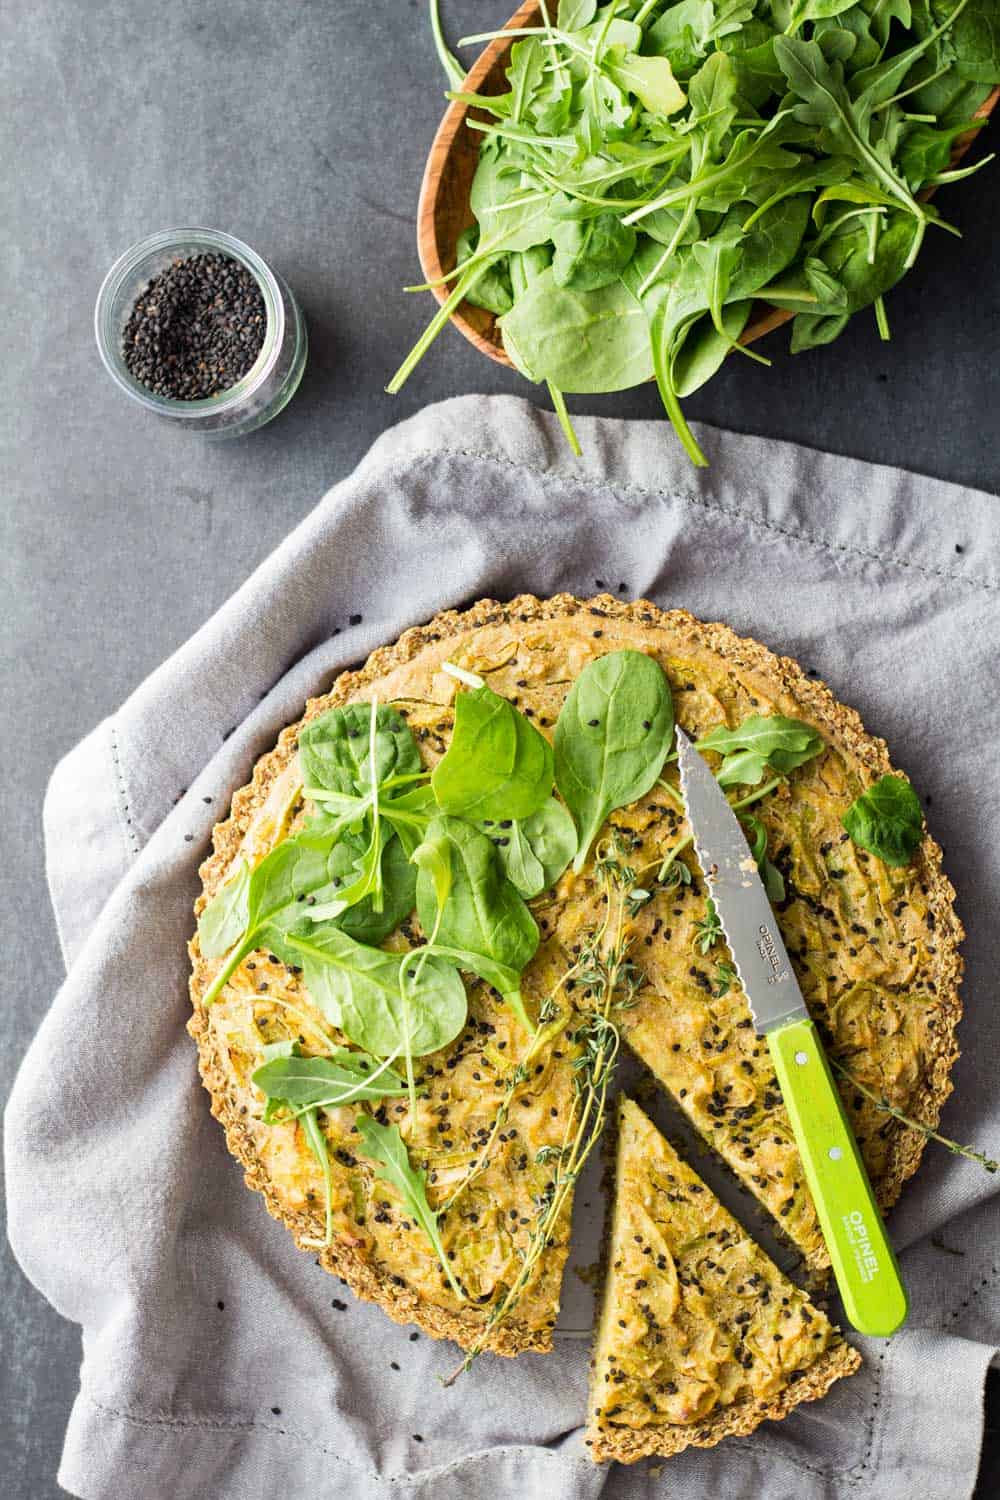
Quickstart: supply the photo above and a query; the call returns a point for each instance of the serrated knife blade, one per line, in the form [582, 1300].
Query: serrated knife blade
[737, 890]
[860, 1252]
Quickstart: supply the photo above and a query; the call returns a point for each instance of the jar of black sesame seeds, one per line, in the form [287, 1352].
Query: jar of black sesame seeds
[200, 331]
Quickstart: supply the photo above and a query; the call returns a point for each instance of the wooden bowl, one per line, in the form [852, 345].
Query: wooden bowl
[444, 211]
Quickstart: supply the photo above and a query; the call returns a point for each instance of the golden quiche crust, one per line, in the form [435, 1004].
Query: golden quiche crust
[886, 996]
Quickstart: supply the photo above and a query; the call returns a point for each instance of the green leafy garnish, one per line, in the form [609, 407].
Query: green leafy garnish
[887, 820]
[391, 1004]
[497, 764]
[304, 1083]
[534, 851]
[758, 743]
[482, 920]
[386, 1147]
[612, 737]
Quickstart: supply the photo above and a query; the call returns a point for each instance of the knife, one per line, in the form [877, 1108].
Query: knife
[863, 1263]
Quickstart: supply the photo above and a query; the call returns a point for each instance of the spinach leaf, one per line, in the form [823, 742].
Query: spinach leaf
[815, 10]
[497, 764]
[521, 865]
[384, 1145]
[534, 851]
[391, 1004]
[303, 1083]
[650, 79]
[335, 750]
[887, 820]
[612, 737]
[584, 342]
[975, 38]
[300, 870]
[399, 886]
[482, 916]
[590, 253]
[759, 742]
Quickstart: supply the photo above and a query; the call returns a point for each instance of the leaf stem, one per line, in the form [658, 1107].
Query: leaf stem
[986, 1162]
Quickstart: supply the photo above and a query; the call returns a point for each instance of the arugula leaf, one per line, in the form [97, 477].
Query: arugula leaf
[454, 72]
[399, 886]
[224, 920]
[887, 820]
[774, 881]
[304, 1083]
[482, 917]
[612, 737]
[384, 1145]
[497, 764]
[759, 742]
[391, 1004]
[317, 1145]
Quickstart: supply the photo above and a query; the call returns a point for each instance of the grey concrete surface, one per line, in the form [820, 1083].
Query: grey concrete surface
[302, 127]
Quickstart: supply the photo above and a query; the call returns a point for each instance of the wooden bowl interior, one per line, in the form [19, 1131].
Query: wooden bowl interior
[444, 209]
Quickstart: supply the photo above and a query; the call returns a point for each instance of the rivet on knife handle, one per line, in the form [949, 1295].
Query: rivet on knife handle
[867, 1275]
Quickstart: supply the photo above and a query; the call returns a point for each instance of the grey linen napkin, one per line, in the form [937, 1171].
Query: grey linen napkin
[217, 1359]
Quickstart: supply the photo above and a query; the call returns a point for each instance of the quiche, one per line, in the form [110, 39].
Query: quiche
[875, 948]
[700, 1335]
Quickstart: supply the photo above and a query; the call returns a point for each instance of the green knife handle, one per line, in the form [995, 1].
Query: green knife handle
[867, 1275]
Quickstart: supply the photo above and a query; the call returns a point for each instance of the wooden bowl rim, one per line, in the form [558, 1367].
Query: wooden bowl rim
[766, 318]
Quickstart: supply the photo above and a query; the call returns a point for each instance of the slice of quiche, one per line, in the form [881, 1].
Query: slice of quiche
[700, 1335]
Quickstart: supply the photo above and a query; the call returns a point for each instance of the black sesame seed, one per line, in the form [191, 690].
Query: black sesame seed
[196, 329]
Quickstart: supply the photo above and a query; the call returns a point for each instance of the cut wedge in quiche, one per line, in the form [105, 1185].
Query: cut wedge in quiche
[457, 888]
[700, 1335]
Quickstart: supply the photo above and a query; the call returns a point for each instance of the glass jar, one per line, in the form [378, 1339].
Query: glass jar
[272, 379]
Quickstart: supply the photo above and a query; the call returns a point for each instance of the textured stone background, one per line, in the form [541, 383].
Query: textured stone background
[302, 127]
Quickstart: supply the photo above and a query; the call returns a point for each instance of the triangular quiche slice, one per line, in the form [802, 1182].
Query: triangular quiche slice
[700, 1335]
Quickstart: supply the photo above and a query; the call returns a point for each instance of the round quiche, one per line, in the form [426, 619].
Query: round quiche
[875, 948]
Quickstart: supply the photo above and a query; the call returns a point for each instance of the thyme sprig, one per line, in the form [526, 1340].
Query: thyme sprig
[986, 1162]
[611, 981]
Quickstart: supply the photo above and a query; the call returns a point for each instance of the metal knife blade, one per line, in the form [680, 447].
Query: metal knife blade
[737, 890]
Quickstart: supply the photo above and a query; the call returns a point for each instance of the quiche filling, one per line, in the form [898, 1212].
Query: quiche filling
[698, 1325]
[408, 1003]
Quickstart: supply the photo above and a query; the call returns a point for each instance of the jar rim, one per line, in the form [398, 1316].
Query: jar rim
[188, 239]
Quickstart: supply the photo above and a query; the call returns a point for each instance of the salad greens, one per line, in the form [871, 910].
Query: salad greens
[655, 165]
[758, 743]
[481, 919]
[887, 820]
[386, 1147]
[497, 764]
[612, 737]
